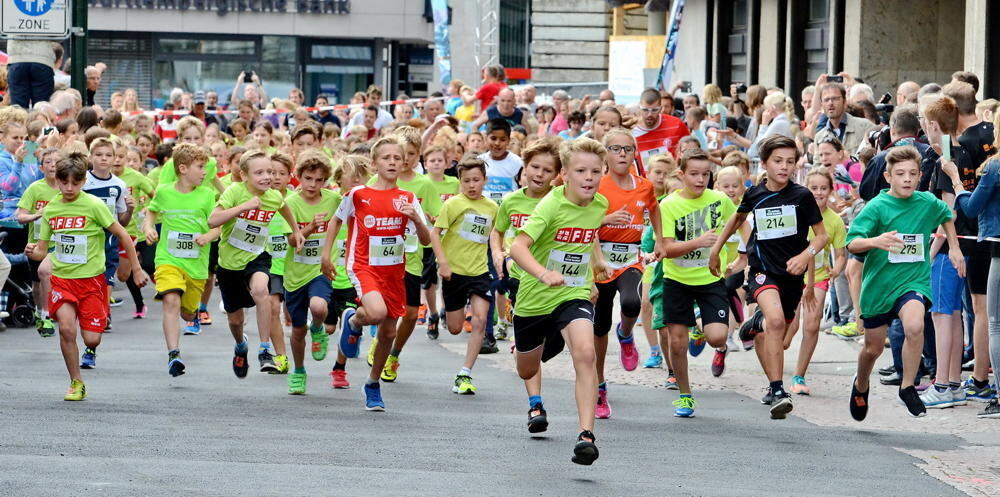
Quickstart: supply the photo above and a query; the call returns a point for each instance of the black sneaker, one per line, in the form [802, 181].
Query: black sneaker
[489, 346]
[537, 422]
[432, 326]
[585, 451]
[240, 366]
[992, 410]
[781, 406]
[752, 327]
[911, 400]
[859, 401]
[886, 371]
[267, 364]
[768, 397]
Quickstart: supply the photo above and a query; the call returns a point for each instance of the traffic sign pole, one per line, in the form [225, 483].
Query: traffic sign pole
[78, 48]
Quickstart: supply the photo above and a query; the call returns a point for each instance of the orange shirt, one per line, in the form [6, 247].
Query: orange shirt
[620, 242]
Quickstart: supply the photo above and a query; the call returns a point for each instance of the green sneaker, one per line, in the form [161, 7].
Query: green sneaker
[296, 384]
[389, 371]
[848, 331]
[463, 385]
[77, 391]
[371, 352]
[46, 328]
[320, 342]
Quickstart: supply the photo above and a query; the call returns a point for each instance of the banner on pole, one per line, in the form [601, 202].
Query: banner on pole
[670, 52]
[442, 41]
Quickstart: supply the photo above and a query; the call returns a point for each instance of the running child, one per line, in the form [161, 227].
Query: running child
[277, 246]
[730, 180]
[76, 222]
[436, 160]
[378, 218]
[140, 188]
[660, 166]
[460, 239]
[630, 198]
[182, 209]
[558, 255]
[779, 254]
[244, 211]
[894, 230]
[31, 211]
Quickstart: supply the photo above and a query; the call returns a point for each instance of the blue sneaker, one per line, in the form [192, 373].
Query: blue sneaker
[350, 339]
[89, 359]
[696, 341]
[684, 407]
[373, 330]
[373, 397]
[193, 327]
[175, 367]
[654, 361]
[984, 394]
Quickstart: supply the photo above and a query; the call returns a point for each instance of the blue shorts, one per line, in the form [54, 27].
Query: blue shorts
[947, 287]
[888, 317]
[297, 301]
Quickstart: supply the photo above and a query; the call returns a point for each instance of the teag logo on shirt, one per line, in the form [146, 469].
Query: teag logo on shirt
[68, 223]
[258, 215]
[575, 235]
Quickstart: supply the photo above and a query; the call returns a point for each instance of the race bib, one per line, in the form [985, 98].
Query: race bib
[71, 249]
[112, 206]
[277, 246]
[341, 252]
[572, 266]
[775, 222]
[410, 244]
[650, 153]
[248, 237]
[385, 250]
[310, 253]
[912, 251]
[182, 245]
[694, 258]
[475, 228]
[619, 255]
[821, 258]
[37, 223]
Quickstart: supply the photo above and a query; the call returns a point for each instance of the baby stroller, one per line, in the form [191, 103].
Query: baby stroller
[17, 302]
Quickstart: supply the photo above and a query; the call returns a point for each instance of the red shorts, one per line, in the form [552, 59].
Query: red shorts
[391, 287]
[89, 295]
[823, 285]
[121, 248]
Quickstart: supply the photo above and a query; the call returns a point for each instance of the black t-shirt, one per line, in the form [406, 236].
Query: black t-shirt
[977, 140]
[783, 219]
[964, 225]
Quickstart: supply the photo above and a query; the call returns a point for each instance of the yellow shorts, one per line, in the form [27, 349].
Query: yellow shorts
[174, 279]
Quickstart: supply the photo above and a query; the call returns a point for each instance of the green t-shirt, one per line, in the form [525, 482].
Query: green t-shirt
[245, 236]
[183, 217]
[514, 211]
[685, 219]
[886, 277]
[35, 197]
[468, 223]
[422, 187]
[141, 188]
[648, 244]
[837, 234]
[445, 189]
[303, 266]
[277, 242]
[339, 250]
[154, 175]
[169, 174]
[77, 231]
[564, 235]
[226, 180]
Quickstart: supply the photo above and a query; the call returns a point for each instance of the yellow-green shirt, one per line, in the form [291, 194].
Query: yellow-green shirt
[468, 223]
[245, 236]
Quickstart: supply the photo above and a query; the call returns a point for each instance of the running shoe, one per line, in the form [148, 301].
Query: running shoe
[959, 398]
[422, 314]
[175, 367]
[891, 379]
[603, 409]
[732, 344]
[489, 345]
[339, 377]
[500, 333]
[193, 327]
[937, 399]
[77, 391]
[240, 365]
[373, 397]
[204, 317]
[585, 451]
[888, 370]
[696, 341]
[297, 384]
[781, 406]
[267, 364]
[719, 362]
[89, 359]
[107, 325]
[463, 385]
[910, 399]
[350, 339]
[432, 327]
[969, 365]
[751, 328]
[992, 410]
[467, 325]
[113, 302]
[972, 392]
[320, 343]
[684, 407]
[671, 381]
[923, 386]
[282, 362]
[389, 371]
[140, 314]
[537, 421]
[629, 355]
[46, 328]
[653, 361]
[847, 332]
[371, 352]
[799, 386]
[768, 397]
[859, 401]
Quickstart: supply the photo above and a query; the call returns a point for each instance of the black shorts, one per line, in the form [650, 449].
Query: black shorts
[412, 284]
[213, 257]
[546, 330]
[33, 269]
[276, 285]
[978, 268]
[235, 285]
[712, 300]
[340, 300]
[886, 318]
[429, 276]
[789, 289]
[512, 285]
[459, 288]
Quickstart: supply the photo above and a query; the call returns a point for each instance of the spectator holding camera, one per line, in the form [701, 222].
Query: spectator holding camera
[253, 90]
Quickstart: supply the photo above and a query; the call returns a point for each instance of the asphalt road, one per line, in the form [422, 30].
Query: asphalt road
[141, 432]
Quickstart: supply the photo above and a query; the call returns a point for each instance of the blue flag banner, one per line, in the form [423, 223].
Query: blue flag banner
[670, 52]
[442, 41]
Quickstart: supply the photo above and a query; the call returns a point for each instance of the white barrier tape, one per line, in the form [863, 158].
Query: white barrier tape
[266, 112]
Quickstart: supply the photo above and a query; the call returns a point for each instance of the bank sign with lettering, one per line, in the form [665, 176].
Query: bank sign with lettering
[222, 7]
[47, 19]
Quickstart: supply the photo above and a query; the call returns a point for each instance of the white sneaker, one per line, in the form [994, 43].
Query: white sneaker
[958, 396]
[933, 399]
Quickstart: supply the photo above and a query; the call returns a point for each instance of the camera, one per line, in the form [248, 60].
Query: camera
[741, 87]
[835, 79]
[248, 76]
[686, 88]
